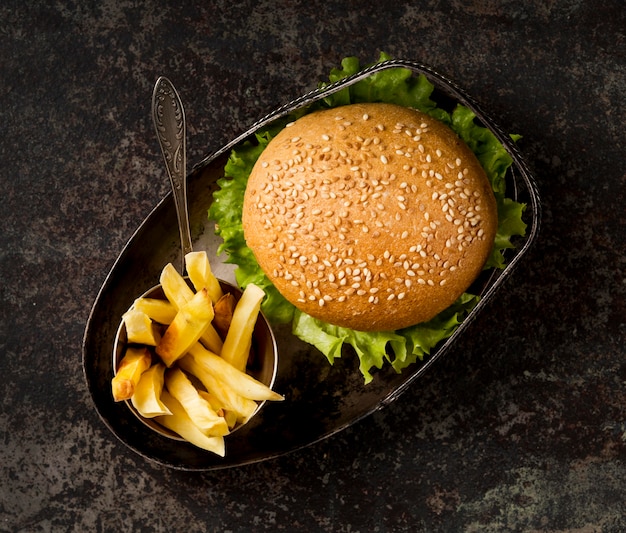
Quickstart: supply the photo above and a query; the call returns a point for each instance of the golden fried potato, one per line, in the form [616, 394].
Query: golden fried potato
[243, 407]
[160, 311]
[180, 423]
[224, 309]
[140, 329]
[175, 287]
[134, 363]
[200, 274]
[191, 321]
[238, 340]
[212, 340]
[179, 293]
[147, 396]
[240, 382]
[197, 408]
[220, 408]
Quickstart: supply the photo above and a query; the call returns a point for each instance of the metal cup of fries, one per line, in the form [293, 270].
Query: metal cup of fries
[194, 358]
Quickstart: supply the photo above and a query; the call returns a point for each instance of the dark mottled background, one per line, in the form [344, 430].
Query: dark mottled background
[521, 428]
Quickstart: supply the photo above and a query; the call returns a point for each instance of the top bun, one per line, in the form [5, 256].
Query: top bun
[373, 217]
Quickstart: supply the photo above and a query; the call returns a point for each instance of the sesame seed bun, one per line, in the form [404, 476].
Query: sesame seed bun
[373, 217]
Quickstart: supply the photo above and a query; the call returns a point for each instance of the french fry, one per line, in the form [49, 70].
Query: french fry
[147, 396]
[197, 408]
[240, 382]
[212, 340]
[191, 321]
[134, 363]
[200, 274]
[224, 309]
[237, 344]
[140, 329]
[180, 423]
[160, 311]
[179, 293]
[243, 407]
[175, 287]
[220, 409]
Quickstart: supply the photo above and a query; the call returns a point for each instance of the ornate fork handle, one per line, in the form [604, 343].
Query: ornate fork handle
[169, 121]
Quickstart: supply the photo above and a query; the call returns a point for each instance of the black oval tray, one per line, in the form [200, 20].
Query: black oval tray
[321, 399]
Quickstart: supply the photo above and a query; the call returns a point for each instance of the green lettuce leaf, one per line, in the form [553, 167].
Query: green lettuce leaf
[226, 211]
[422, 338]
[370, 347]
[397, 86]
[496, 161]
[400, 348]
[510, 225]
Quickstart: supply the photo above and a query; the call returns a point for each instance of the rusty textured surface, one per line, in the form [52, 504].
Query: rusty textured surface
[522, 427]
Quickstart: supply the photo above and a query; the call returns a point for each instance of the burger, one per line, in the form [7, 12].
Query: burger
[369, 216]
[367, 222]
